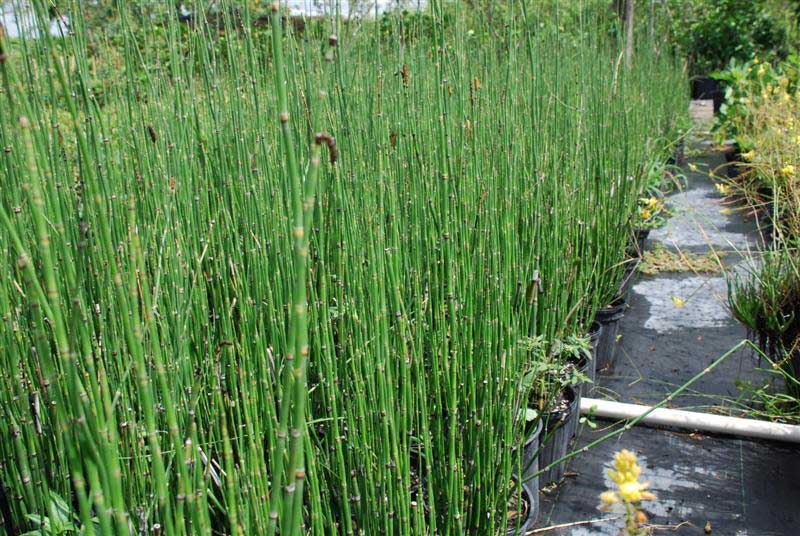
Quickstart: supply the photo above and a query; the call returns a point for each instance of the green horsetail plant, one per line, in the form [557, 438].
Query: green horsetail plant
[254, 342]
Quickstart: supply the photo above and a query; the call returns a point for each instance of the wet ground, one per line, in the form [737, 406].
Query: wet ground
[676, 325]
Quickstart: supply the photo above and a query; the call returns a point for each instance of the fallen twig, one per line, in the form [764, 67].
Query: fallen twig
[573, 524]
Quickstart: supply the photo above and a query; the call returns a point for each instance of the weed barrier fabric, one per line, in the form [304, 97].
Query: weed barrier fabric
[737, 485]
[731, 485]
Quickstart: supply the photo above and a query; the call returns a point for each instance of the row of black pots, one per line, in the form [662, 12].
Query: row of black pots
[551, 438]
[554, 432]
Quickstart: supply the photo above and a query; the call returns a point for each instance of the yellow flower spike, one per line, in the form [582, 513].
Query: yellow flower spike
[629, 490]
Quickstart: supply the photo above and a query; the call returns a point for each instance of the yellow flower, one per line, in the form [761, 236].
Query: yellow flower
[748, 156]
[692, 167]
[724, 189]
[626, 474]
[756, 61]
[645, 214]
[629, 490]
[788, 170]
[652, 203]
[679, 303]
[726, 211]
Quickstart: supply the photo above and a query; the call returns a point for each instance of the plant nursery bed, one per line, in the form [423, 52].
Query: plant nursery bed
[675, 326]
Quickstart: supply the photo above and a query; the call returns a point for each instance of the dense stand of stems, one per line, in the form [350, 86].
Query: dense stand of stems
[210, 328]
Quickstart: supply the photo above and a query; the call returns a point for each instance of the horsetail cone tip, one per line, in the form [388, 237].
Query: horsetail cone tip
[330, 142]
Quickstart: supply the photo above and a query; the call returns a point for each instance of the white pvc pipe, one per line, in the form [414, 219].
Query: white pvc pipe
[704, 422]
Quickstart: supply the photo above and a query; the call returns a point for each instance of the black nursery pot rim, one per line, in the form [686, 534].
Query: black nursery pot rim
[554, 417]
[614, 307]
[535, 434]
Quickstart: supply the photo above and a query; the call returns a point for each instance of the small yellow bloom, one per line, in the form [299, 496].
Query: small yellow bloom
[629, 490]
[748, 156]
[788, 170]
[646, 214]
[626, 474]
[724, 189]
[693, 168]
[726, 211]
[652, 203]
[756, 60]
[679, 303]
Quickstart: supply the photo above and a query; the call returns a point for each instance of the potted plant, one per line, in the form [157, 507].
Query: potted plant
[766, 298]
[553, 402]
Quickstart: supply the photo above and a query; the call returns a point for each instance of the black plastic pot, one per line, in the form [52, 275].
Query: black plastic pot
[571, 424]
[705, 87]
[609, 318]
[556, 436]
[679, 157]
[588, 366]
[531, 495]
[637, 242]
[628, 277]
[641, 239]
[530, 466]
